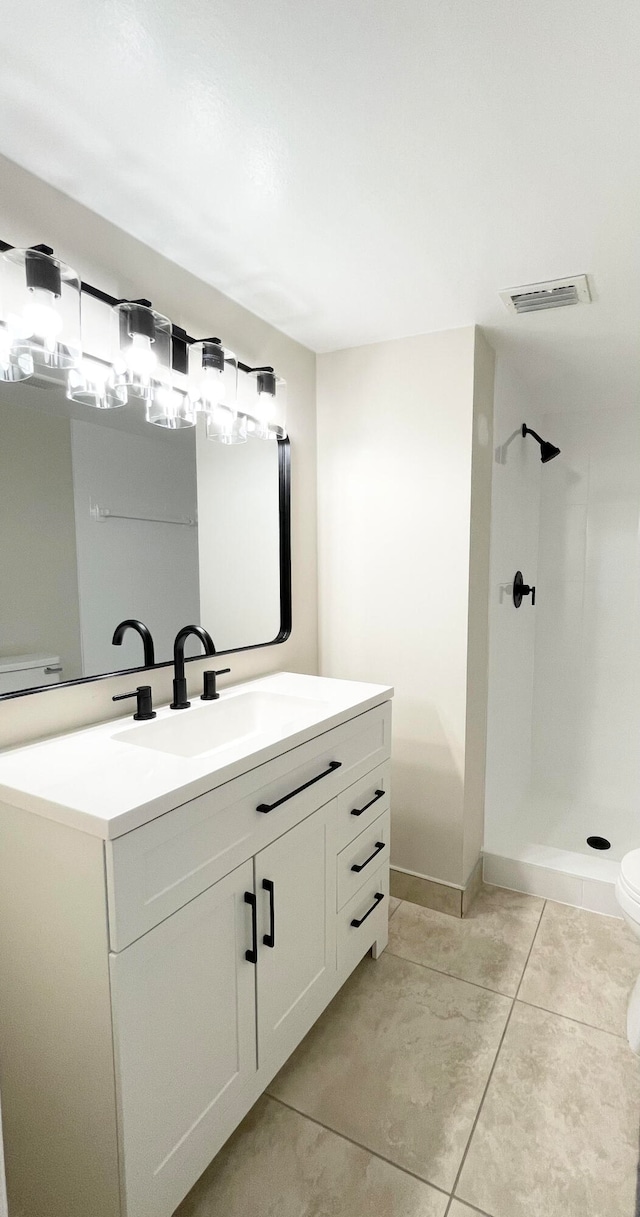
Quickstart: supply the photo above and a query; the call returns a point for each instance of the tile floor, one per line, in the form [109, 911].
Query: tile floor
[479, 1066]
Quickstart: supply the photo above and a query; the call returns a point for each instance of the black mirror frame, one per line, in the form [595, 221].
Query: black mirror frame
[284, 483]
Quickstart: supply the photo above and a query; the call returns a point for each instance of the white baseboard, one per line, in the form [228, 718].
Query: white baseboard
[552, 883]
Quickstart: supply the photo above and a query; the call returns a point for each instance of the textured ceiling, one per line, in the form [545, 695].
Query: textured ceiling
[354, 170]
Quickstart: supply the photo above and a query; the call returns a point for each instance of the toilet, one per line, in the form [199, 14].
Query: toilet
[628, 897]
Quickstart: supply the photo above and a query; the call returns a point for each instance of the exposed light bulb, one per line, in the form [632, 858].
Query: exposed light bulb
[266, 406]
[209, 391]
[266, 410]
[270, 405]
[140, 356]
[42, 320]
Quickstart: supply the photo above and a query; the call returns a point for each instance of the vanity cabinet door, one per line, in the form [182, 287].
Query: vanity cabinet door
[185, 1042]
[296, 968]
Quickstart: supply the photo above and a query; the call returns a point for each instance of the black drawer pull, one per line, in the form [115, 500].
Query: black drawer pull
[252, 955]
[358, 866]
[358, 811]
[292, 794]
[269, 939]
[357, 922]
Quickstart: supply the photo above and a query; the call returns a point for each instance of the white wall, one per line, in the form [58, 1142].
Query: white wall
[129, 567]
[4, 1209]
[586, 715]
[478, 610]
[395, 445]
[239, 540]
[39, 597]
[31, 211]
[514, 546]
[564, 697]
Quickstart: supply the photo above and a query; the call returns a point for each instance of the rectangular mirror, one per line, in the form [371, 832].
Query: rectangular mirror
[104, 517]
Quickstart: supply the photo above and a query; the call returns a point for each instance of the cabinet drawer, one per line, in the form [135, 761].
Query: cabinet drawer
[362, 803]
[367, 852]
[371, 912]
[156, 869]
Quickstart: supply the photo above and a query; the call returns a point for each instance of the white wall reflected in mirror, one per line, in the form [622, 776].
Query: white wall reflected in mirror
[103, 517]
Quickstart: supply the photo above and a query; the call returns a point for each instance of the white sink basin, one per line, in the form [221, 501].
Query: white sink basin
[223, 723]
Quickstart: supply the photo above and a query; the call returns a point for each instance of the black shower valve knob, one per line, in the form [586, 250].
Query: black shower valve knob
[520, 589]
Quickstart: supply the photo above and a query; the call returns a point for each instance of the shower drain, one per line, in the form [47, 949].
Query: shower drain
[598, 843]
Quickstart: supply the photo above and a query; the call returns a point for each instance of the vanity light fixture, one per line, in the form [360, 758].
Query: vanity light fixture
[41, 313]
[169, 404]
[95, 383]
[143, 351]
[267, 412]
[214, 388]
[177, 376]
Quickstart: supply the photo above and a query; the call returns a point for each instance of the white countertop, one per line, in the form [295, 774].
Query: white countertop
[92, 781]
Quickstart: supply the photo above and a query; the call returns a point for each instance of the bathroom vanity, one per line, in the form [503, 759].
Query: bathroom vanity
[179, 901]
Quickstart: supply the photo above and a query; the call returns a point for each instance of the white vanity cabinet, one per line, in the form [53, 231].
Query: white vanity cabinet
[228, 984]
[193, 954]
[184, 1022]
[296, 964]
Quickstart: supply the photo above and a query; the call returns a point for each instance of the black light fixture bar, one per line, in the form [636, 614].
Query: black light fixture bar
[180, 339]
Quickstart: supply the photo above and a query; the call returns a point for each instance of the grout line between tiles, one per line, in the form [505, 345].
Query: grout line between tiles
[359, 1145]
[395, 909]
[617, 1035]
[451, 975]
[557, 1014]
[477, 1115]
[533, 942]
[491, 1072]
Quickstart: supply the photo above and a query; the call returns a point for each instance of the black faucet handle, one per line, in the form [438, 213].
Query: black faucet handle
[145, 708]
[210, 692]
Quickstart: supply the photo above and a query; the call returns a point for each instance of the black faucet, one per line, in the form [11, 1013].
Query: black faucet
[145, 634]
[144, 704]
[179, 682]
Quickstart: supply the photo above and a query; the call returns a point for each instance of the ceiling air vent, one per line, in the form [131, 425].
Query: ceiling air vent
[556, 294]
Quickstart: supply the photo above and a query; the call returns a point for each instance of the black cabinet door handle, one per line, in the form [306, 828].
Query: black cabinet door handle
[357, 922]
[251, 956]
[358, 866]
[358, 811]
[292, 793]
[269, 939]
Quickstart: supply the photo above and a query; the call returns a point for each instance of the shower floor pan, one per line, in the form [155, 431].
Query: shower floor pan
[547, 853]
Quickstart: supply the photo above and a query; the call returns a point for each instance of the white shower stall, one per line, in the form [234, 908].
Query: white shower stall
[563, 760]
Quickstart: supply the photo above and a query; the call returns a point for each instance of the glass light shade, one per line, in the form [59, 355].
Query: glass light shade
[41, 313]
[143, 348]
[268, 408]
[226, 426]
[169, 405]
[96, 384]
[14, 365]
[213, 376]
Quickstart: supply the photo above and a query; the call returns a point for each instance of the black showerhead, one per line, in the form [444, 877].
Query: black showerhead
[547, 450]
